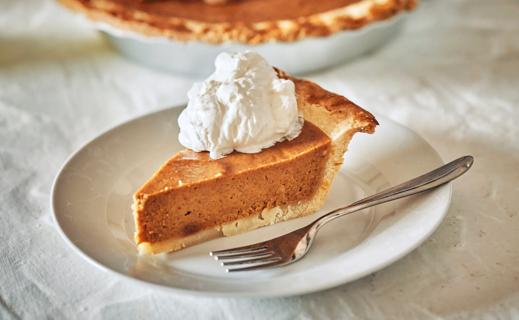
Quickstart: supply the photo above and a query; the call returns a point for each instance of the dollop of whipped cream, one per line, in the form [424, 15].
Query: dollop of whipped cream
[242, 106]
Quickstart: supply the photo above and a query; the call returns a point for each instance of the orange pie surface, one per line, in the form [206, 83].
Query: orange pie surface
[192, 192]
[233, 11]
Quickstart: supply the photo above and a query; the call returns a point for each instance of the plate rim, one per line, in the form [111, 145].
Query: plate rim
[203, 293]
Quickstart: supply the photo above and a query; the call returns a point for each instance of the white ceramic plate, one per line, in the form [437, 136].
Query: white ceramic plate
[92, 195]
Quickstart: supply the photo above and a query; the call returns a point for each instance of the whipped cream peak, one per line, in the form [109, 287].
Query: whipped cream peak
[242, 106]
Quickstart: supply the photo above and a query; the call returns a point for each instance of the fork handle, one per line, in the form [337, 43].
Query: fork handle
[428, 181]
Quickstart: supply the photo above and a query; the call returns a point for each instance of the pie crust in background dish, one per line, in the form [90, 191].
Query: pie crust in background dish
[242, 21]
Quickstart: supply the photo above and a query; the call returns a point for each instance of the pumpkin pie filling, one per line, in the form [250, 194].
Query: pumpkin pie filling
[192, 192]
[246, 11]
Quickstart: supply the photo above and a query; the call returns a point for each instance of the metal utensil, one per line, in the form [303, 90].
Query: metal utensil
[293, 246]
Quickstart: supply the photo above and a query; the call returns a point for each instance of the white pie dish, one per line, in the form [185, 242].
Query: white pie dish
[195, 58]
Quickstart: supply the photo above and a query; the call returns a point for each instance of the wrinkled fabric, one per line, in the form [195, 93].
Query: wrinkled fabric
[452, 76]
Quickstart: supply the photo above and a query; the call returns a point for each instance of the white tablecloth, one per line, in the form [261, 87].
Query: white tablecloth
[452, 76]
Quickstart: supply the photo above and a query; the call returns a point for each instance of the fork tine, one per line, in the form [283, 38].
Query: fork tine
[240, 250]
[253, 255]
[258, 266]
[253, 260]
[232, 255]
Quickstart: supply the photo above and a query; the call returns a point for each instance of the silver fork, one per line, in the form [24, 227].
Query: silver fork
[293, 246]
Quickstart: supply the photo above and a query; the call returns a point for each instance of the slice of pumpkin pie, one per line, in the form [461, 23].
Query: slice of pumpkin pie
[262, 147]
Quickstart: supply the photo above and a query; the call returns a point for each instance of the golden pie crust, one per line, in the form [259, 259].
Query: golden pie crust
[242, 21]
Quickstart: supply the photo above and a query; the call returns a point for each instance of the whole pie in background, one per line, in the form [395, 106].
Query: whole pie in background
[244, 21]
